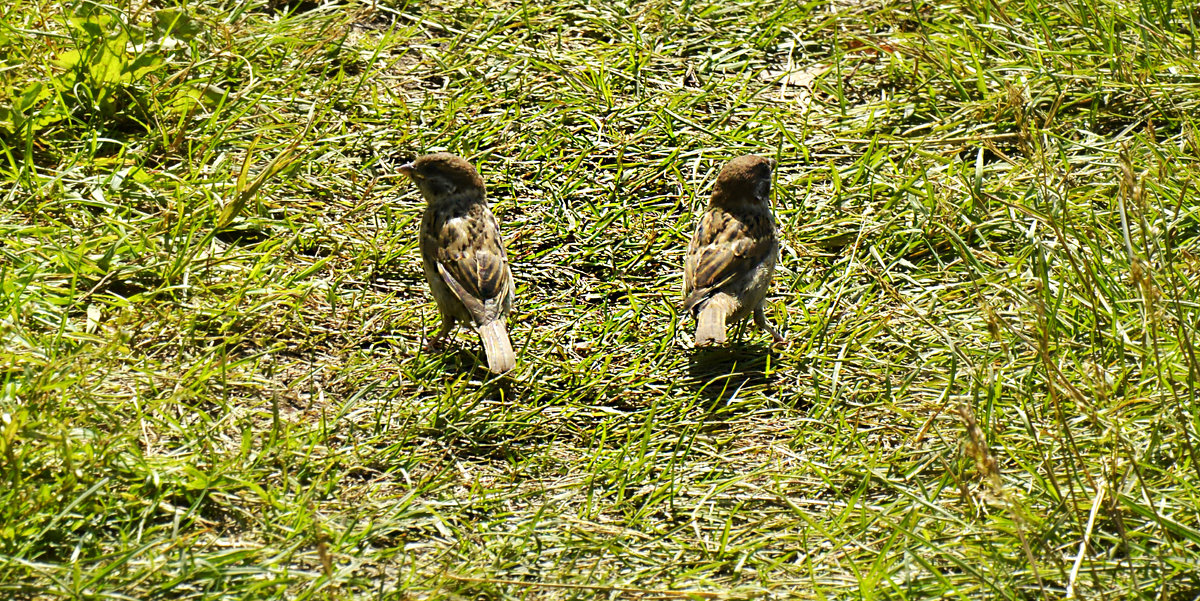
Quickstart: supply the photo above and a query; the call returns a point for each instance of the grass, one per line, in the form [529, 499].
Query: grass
[213, 311]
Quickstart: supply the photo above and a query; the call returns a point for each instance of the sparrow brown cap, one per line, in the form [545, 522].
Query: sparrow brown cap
[739, 177]
[449, 166]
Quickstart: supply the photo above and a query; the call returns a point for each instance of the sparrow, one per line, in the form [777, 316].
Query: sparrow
[464, 258]
[731, 258]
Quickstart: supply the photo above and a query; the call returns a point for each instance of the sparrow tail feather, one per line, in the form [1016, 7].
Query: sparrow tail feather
[497, 347]
[710, 324]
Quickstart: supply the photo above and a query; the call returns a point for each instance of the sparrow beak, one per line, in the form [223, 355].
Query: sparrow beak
[409, 170]
[772, 163]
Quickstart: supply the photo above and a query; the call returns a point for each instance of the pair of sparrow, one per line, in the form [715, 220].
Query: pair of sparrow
[727, 272]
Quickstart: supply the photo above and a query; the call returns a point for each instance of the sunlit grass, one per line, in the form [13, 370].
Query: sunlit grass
[213, 310]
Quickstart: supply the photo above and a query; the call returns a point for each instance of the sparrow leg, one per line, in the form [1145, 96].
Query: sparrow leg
[435, 343]
[760, 319]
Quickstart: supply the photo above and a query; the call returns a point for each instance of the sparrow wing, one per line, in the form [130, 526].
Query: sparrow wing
[471, 259]
[724, 248]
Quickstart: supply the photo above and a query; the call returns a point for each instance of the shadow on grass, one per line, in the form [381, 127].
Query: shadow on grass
[467, 409]
[721, 373]
[461, 360]
[458, 358]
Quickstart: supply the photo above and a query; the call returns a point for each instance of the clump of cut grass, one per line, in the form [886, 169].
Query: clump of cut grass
[213, 311]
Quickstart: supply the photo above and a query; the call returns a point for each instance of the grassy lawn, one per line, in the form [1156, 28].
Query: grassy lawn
[212, 309]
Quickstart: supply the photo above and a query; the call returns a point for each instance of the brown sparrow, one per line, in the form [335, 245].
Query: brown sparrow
[465, 262]
[732, 256]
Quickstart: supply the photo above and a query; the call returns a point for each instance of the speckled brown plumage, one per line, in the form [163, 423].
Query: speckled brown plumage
[731, 258]
[463, 255]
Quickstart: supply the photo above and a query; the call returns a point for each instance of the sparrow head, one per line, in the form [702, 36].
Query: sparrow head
[744, 180]
[443, 176]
